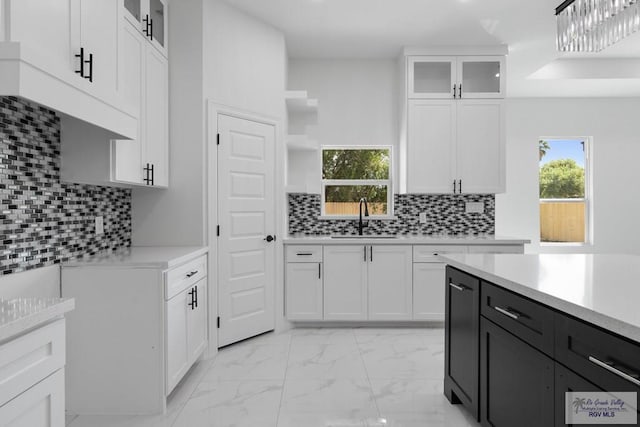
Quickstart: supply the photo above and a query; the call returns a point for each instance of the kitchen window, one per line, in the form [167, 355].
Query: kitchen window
[564, 190]
[355, 172]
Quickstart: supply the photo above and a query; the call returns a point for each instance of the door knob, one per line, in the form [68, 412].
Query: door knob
[270, 238]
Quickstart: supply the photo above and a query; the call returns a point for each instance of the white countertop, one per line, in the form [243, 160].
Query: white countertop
[21, 314]
[406, 240]
[162, 257]
[601, 289]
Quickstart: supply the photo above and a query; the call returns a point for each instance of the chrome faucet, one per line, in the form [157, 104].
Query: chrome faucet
[362, 224]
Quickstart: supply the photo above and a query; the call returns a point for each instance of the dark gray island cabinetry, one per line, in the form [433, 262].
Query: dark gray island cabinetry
[516, 341]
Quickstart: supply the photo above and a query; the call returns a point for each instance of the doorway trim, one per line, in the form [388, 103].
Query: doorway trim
[213, 110]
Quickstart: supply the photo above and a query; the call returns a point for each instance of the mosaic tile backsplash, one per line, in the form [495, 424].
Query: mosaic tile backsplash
[445, 215]
[45, 221]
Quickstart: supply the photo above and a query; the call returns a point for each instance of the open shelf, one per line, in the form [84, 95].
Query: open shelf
[301, 143]
[299, 102]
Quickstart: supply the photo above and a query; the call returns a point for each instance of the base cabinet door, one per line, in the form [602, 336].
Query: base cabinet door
[177, 340]
[516, 381]
[568, 381]
[197, 321]
[40, 406]
[462, 321]
[390, 276]
[304, 290]
[428, 291]
[345, 282]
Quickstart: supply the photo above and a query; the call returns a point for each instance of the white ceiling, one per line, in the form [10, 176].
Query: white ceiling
[380, 28]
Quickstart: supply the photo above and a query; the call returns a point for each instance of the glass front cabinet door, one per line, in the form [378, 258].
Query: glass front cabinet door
[481, 76]
[451, 77]
[150, 18]
[432, 77]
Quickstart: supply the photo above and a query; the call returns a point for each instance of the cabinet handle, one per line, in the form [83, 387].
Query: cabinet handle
[460, 91]
[195, 293]
[507, 312]
[632, 378]
[152, 174]
[459, 186]
[454, 186]
[192, 303]
[371, 253]
[90, 62]
[304, 253]
[192, 273]
[81, 57]
[458, 287]
[365, 254]
[319, 271]
[147, 169]
[454, 91]
[148, 28]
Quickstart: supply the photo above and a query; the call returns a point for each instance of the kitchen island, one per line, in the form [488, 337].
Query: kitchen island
[522, 330]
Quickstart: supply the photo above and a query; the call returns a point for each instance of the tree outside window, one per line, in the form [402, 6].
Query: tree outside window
[563, 200]
[352, 173]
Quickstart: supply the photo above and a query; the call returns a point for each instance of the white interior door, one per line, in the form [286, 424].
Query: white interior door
[246, 260]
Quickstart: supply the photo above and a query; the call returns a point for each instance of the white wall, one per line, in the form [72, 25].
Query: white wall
[357, 104]
[177, 216]
[613, 124]
[245, 61]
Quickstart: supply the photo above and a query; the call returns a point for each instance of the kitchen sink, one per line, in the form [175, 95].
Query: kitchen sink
[364, 237]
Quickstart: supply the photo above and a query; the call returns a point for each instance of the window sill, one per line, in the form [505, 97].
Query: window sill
[356, 218]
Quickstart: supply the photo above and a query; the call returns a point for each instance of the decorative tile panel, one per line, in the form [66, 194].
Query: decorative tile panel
[44, 221]
[445, 215]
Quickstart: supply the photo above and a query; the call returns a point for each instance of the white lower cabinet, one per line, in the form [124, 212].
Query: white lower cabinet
[389, 278]
[186, 331]
[32, 392]
[304, 291]
[40, 406]
[371, 282]
[345, 282]
[428, 291]
[150, 320]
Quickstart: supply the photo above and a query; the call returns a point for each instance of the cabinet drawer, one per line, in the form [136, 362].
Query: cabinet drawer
[607, 360]
[28, 359]
[427, 253]
[185, 275]
[304, 253]
[529, 321]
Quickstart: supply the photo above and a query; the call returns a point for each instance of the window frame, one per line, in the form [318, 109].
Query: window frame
[328, 182]
[588, 196]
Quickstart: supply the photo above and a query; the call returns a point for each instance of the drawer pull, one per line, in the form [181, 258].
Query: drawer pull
[632, 378]
[507, 312]
[193, 273]
[304, 253]
[458, 287]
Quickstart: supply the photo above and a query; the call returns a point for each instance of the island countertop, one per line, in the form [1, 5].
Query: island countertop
[601, 289]
[21, 314]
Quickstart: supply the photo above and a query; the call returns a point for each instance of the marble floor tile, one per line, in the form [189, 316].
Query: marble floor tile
[324, 361]
[323, 336]
[337, 398]
[232, 404]
[323, 377]
[252, 362]
[389, 357]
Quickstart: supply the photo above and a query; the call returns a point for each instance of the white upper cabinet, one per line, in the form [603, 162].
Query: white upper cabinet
[431, 77]
[63, 54]
[456, 147]
[480, 146]
[150, 18]
[451, 77]
[155, 146]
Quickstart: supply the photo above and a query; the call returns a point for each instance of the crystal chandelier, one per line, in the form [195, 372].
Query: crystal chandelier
[592, 25]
